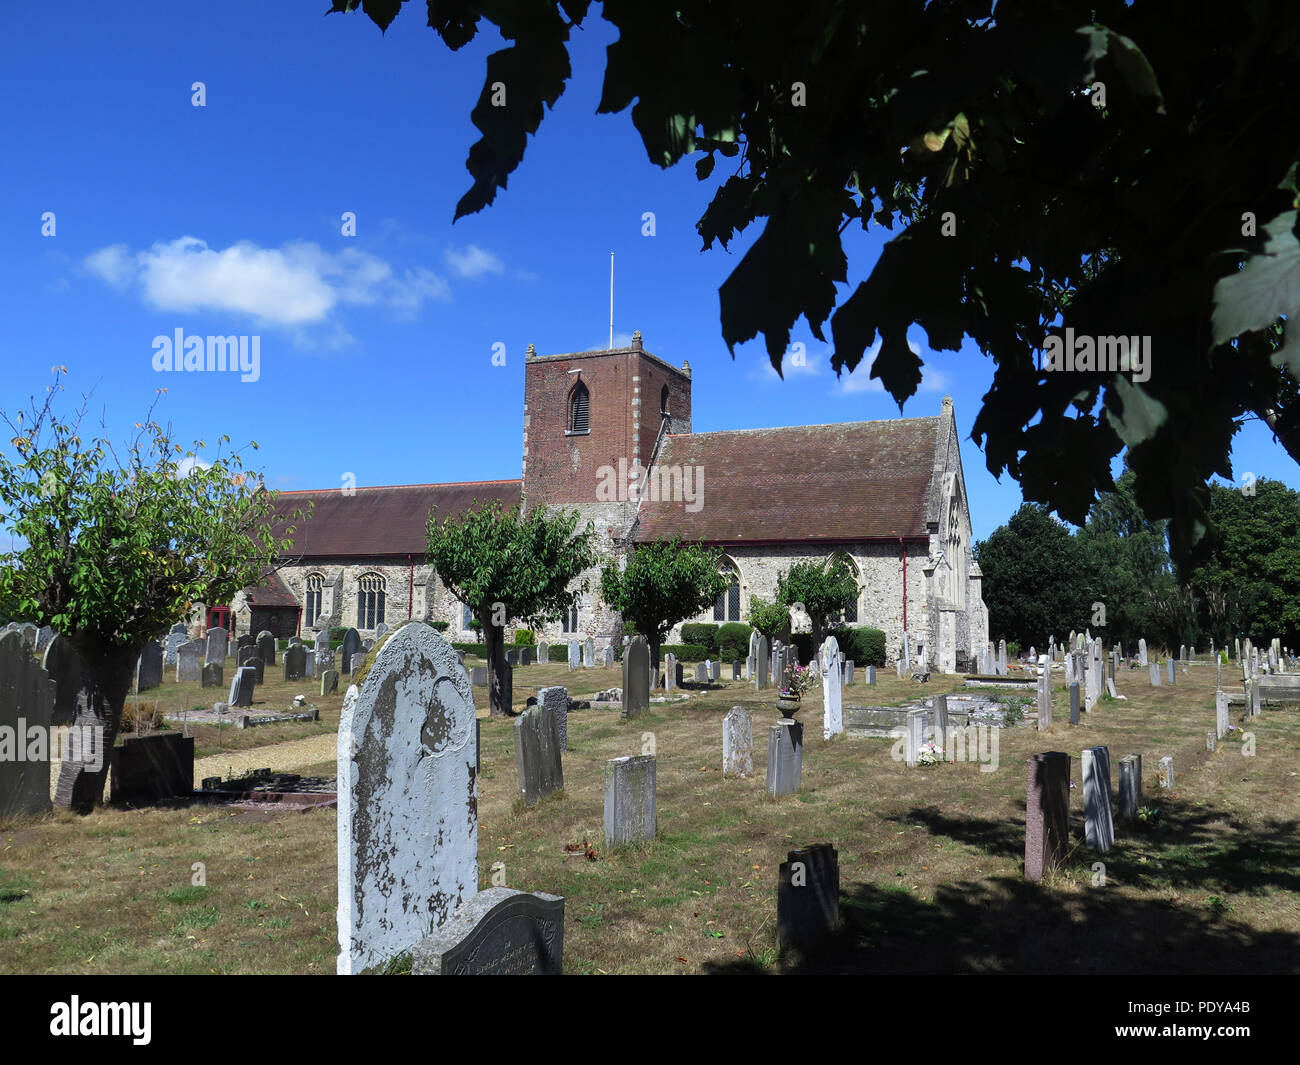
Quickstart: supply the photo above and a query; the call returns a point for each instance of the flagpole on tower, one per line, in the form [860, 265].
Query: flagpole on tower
[611, 301]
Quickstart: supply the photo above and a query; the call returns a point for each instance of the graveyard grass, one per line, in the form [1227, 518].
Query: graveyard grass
[930, 858]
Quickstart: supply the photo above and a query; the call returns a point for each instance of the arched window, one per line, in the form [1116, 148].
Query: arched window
[579, 409]
[370, 600]
[727, 608]
[569, 623]
[311, 604]
[663, 400]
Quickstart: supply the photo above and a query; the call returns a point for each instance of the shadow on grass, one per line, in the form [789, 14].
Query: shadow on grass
[1160, 911]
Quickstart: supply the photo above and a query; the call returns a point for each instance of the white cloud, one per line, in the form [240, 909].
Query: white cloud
[297, 284]
[860, 380]
[190, 463]
[798, 362]
[472, 263]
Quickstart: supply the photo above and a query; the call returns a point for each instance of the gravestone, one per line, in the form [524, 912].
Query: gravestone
[245, 653]
[152, 768]
[407, 799]
[329, 682]
[1211, 741]
[26, 710]
[735, 669]
[1099, 829]
[1165, 772]
[45, 636]
[367, 643]
[670, 671]
[848, 672]
[832, 698]
[761, 664]
[351, 646]
[246, 640]
[940, 721]
[1220, 714]
[701, 673]
[189, 661]
[871, 676]
[807, 897]
[309, 662]
[321, 643]
[266, 648]
[1047, 813]
[171, 644]
[1074, 703]
[1171, 673]
[537, 754]
[149, 668]
[294, 641]
[496, 932]
[784, 758]
[636, 678]
[1142, 653]
[1155, 676]
[478, 676]
[737, 743]
[1130, 787]
[607, 658]
[575, 655]
[214, 675]
[512, 657]
[589, 653]
[241, 687]
[63, 665]
[380, 630]
[556, 699]
[295, 662]
[914, 735]
[1002, 658]
[1044, 702]
[630, 813]
[543, 651]
[258, 668]
[218, 640]
[715, 671]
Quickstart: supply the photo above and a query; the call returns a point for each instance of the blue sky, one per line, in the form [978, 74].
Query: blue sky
[375, 350]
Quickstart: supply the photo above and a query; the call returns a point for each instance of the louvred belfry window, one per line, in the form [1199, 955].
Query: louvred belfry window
[579, 410]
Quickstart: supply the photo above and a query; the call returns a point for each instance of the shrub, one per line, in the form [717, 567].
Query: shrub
[733, 641]
[1013, 649]
[142, 717]
[686, 652]
[698, 632]
[525, 638]
[558, 652]
[629, 628]
[865, 645]
[768, 618]
[441, 626]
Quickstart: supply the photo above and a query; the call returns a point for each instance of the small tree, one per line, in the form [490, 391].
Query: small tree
[825, 589]
[115, 551]
[505, 565]
[768, 618]
[663, 583]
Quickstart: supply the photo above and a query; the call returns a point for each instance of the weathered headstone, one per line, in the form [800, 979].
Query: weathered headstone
[171, 644]
[589, 653]
[45, 635]
[381, 630]
[636, 677]
[1044, 702]
[1074, 702]
[407, 803]
[1221, 714]
[241, 687]
[266, 648]
[737, 743]
[940, 710]
[149, 668]
[213, 676]
[807, 897]
[784, 758]
[496, 932]
[478, 676]
[761, 664]
[575, 655]
[735, 669]
[351, 646]
[1211, 741]
[512, 657]
[543, 652]
[321, 644]
[537, 753]
[295, 663]
[1047, 813]
[1171, 673]
[556, 700]
[63, 665]
[914, 727]
[871, 676]
[1155, 676]
[848, 672]
[329, 682]
[1142, 653]
[189, 661]
[26, 710]
[701, 673]
[670, 671]
[832, 698]
[1099, 829]
[245, 653]
[258, 667]
[630, 812]
[715, 670]
[1165, 772]
[1130, 787]
[607, 658]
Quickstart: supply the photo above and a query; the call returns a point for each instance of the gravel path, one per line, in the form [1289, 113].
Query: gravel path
[286, 757]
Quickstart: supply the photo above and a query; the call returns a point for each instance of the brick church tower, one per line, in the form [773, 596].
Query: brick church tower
[591, 418]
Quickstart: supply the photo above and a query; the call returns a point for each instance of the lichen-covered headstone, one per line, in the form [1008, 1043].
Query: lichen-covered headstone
[189, 661]
[630, 801]
[295, 662]
[537, 753]
[737, 743]
[407, 799]
[329, 682]
[556, 698]
[266, 648]
[218, 642]
[149, 668]
[1099, 829]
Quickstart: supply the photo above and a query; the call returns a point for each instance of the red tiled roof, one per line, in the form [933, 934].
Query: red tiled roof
[271, 592]
[382, 521]
[850, 481]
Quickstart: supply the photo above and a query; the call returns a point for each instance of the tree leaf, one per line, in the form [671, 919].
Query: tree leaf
[1265, 289]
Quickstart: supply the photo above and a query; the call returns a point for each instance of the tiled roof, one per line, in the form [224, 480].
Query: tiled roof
[811, 483]
[271, 592]
[382, 521]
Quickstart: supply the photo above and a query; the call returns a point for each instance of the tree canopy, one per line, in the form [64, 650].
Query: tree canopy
[1111, 167]
[824, 589]
[504, 565]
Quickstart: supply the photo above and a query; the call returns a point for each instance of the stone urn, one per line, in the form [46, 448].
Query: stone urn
[787, 703]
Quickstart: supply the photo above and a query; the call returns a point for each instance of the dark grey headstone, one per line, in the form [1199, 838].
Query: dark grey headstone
[351, 646]
[63, 665]
[295, 662]
[784, 758]
[630, 811]
[26, 708]
[498, 931]
[807, 897]
[189, 661]
[537, 754]
[1074, 703]
[246, 640]
[149, 668]
[218, 645]
[152, 768]
[266, 648]
[245, 653]
[258, 667]
[213, 675]
[478, 675]
[1130, 787]
[557, 699]
[636, 678]
[1047, 813]
[241, 687]
[329, 682]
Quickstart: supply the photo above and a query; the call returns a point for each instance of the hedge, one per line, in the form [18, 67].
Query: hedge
[866, 646]
[733, 641]
[697, 632]
[686, 652]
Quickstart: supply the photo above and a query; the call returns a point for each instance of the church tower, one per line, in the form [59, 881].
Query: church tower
[592, 419]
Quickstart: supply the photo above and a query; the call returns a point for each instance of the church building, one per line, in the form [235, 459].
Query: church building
[609, 433]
